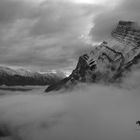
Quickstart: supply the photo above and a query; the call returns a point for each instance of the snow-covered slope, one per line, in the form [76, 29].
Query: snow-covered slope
[9, 76]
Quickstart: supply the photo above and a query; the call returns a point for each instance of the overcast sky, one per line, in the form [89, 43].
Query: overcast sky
[51, 34]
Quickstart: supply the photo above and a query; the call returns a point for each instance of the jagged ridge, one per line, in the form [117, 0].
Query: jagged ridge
[108, 61]
[12, 77]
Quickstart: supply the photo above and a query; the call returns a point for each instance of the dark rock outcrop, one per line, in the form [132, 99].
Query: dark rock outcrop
[108, 61]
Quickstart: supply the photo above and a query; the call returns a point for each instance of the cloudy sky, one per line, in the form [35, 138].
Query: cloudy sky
[51, 34]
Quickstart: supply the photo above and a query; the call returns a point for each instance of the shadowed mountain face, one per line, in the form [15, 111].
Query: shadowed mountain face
[22, 77]
[109, 61]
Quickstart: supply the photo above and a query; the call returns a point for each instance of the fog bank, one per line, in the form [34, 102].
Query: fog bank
[90, 112]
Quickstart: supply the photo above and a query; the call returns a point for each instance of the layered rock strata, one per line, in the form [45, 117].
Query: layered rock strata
[109, 60]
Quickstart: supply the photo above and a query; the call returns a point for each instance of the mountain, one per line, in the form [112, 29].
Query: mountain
[12, 77]
[109, 61]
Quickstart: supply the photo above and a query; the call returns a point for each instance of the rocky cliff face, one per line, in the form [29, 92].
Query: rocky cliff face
[128, 33]
[108, 61]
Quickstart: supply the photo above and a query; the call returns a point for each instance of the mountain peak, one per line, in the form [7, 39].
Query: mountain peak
[127, 32]
[109, 60]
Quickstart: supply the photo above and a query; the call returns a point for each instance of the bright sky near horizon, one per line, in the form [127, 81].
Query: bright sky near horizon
[91, 1]
[76, 1]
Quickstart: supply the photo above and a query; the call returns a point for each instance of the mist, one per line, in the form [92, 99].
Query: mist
[88, 112]
[107, 20]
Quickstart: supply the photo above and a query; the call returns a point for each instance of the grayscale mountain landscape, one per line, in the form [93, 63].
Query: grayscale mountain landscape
[69, 70]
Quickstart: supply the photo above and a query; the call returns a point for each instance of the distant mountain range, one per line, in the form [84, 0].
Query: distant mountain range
[12, 77]
[109, 61]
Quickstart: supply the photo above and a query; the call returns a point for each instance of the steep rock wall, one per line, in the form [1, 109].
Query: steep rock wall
[107, 61]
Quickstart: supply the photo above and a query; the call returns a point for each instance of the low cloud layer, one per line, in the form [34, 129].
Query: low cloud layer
[89, 112]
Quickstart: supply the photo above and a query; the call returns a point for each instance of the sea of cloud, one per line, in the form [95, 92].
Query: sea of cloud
[89, 112]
